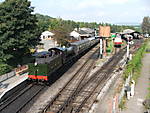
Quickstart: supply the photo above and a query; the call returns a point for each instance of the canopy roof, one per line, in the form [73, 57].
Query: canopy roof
[128, 31]
[47, 33]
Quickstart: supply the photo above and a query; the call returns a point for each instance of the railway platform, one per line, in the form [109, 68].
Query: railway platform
[10, 83]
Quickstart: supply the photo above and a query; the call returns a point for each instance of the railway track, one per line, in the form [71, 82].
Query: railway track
[86, 94]
[22, 98]
[19, 101]
[72, 99]
[21, 88]
[83, 100]
[68, 91]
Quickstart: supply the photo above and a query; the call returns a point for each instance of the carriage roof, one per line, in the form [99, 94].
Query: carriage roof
[79, 42]
[38, 54]
[58, 49]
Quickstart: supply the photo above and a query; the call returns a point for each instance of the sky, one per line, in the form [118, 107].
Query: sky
[110, 11]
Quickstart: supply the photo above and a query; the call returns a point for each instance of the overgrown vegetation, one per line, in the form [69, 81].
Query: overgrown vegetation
[49, 23]
[122, 103]
[148, 92]
[110, 46]
[135, 64]
[4, 68]
[19, 31]
[146, 25]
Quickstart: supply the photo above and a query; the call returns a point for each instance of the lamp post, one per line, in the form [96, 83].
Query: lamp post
[36, 71]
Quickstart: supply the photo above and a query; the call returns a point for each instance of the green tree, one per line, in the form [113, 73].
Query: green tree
[18, 30]
[146, 25]
[44, 21]
[62, 35]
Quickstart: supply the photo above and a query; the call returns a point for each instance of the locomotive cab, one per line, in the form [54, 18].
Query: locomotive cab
[45, 64]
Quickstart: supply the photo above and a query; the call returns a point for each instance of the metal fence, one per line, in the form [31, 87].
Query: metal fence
[7, 76]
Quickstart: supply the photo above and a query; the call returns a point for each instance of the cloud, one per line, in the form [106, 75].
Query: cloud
[84, 4]
[89, 4]
[145, 8]
[94, 10]
[117, 1]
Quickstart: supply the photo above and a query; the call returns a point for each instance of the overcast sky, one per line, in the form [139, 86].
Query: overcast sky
[111, 11]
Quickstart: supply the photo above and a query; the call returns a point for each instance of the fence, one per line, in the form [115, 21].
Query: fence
[17, 71]
[7, 76]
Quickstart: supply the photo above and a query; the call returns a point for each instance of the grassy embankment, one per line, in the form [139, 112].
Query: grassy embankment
[134, 67]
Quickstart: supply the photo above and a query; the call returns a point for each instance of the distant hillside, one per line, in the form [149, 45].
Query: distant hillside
[49, 23]
[43, 17]
[129, 24]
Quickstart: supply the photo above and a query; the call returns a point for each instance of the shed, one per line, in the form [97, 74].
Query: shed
[46, 34]
[76, 35]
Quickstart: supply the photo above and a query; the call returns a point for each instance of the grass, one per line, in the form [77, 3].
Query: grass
[110, 46]
[148, 47]
[148, 96]
[135, 64]
[122, 103]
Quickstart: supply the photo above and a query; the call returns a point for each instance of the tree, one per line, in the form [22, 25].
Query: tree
[146, 25]
[43, 21]
[18, 30]
[62, 35]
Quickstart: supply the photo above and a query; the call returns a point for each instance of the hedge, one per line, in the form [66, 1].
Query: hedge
[4, 68]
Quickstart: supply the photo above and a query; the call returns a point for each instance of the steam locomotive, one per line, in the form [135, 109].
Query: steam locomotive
[50, 61]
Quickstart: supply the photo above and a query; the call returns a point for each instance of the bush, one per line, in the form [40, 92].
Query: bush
[122, 103]
[4, 68]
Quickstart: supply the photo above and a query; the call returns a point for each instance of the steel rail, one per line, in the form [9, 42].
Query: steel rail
[81, 73]
[21, 100]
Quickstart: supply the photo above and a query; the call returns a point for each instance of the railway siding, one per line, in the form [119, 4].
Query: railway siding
[110, 96]
[99, 79]
[60, 83]
[51, 92]
[113, 77]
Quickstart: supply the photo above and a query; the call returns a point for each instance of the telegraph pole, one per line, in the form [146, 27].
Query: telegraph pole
[101, 48]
